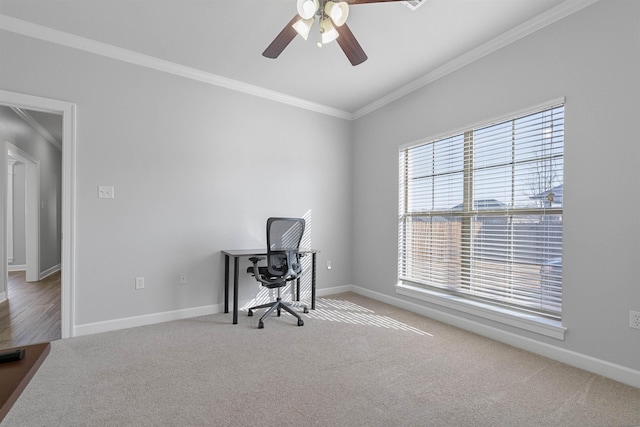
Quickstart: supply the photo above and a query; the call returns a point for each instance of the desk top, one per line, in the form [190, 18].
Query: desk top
[261, 251]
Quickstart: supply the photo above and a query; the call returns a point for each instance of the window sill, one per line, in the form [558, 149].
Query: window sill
[532, 323]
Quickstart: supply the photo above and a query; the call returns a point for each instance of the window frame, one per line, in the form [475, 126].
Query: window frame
[534, 322]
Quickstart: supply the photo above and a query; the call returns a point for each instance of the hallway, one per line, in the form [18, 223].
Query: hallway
[32, 312]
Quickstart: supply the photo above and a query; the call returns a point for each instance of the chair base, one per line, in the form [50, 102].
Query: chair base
[278, 305]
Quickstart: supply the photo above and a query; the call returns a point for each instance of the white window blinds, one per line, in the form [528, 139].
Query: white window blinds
[480, 213]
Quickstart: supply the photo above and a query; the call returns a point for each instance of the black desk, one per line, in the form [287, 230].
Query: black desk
[238, 253]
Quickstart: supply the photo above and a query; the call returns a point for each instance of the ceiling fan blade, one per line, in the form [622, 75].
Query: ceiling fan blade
[369, 1]
[350, 45]
[282, 40]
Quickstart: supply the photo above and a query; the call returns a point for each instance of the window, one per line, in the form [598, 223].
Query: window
[480, 213]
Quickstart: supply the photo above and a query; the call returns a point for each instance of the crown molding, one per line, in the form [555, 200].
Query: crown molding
[552, 15]
[24, 115]
[29, 29]
[62, 38]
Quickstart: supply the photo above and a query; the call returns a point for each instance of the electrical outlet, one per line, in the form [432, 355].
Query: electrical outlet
[183, 278]
[634, 319]
[139, 282]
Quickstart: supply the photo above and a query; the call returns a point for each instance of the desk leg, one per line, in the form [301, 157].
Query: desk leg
[313, 281]
[226, 283]
[236, 267]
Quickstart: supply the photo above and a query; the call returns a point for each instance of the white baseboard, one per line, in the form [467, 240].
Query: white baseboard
[607, 369]
[336, 290]
[148, 319]
[49, 271]
[3, 296]
[43, 274]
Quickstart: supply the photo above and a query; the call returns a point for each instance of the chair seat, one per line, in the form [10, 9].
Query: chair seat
[263, 271]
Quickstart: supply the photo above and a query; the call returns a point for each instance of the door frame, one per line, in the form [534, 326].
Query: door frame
[68, 112]
[32, 210]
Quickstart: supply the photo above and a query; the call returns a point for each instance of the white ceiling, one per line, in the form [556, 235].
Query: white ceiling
[226, 38]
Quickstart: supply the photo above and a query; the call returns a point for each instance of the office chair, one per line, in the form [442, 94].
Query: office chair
[283, 263]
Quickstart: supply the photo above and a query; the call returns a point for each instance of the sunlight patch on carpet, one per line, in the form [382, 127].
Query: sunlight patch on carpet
[347, 312]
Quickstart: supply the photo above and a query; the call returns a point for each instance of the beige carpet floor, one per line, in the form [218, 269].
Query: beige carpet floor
[355, 362]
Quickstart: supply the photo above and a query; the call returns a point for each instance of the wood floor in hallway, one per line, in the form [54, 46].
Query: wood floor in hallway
[32, 312]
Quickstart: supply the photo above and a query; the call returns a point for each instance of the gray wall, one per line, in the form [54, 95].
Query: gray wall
[196, 169]
[593, 59]
[16, 131]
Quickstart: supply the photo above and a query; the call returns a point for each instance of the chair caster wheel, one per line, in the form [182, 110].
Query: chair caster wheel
[250, 313]
[305, 310]
[260, 325]
[300, 322]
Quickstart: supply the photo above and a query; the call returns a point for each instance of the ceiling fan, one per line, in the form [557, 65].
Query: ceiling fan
[332, 18]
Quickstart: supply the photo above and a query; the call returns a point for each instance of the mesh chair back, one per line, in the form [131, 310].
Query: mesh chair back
[283, 242]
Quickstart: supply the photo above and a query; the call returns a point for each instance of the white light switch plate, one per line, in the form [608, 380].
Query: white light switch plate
[105, 192]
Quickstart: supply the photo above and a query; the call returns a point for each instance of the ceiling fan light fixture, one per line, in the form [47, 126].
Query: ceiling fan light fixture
[328, 32]
[332, 18]
[338, 12]
[303, 27]
[308, 8]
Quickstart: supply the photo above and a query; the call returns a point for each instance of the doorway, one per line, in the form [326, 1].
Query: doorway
[67, 220]
[30, 237]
